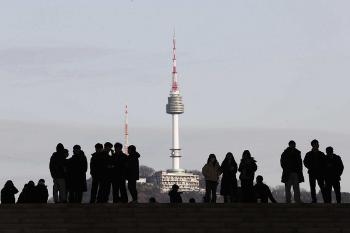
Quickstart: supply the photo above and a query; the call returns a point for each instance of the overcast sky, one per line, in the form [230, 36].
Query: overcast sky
[278, 66]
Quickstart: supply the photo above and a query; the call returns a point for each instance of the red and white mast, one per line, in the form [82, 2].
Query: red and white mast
[126, 131]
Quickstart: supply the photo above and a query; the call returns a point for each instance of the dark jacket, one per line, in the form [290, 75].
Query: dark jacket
[132, 166]
[314, 161]
[8, 195]
[175, 196]
[291, 162]
[42, 194]
[118, 161]
[99, 165]
[28, 194]
[58, 165]
[247, 169]
[263, 192]
[333, 167]
[228, 180]
[77, 167]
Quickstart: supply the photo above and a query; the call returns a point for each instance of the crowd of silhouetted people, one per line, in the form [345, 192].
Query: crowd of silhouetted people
[325, 169]
[113, 171]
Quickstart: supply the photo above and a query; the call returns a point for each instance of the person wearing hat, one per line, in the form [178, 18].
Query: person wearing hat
[77, 167]
[175, 195]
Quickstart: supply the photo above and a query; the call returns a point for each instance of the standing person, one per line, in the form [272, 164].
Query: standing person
[77, 167]
[314, 161]
[211, 172]
[229, 181]
[58, 174]
[262, 191]
[105, 167]
[132, 171]
[119, 174]
[292, 174]
[247, 168]
[175, 195]
[96, 171]
[8, 193]
[334, 169]
[42, 194]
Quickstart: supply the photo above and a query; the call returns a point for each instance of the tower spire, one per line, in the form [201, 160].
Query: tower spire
[126, 131]
[174, 88]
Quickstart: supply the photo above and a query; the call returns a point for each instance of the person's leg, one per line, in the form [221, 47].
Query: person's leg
[207, 191]
[287, 187]
[296, 190]
[244, 192]
[321, 185]
[115, 191]
[132, 189]
[123, 193]
[250, 191]
[79, 197]
[312, 182]
[336, 186]
[55, 191]
[328, 191]
[214, 186]
[94, 188]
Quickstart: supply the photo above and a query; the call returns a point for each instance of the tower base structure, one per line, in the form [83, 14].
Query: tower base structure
[187, 182]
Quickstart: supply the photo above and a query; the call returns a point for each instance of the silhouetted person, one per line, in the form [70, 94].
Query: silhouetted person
[119, 160]
[42, 194]
[211, 172]
[247, 168]
[333, 170]
[292, 174]
[262, 191]
[28, 194]
[77, 167]
[175, 195]
[58, 174]
[106, 168]
[192, 200]
[8, 193]
[314, 161]
[229, 181]
[152, 200]
[96, 171]
[132, 172]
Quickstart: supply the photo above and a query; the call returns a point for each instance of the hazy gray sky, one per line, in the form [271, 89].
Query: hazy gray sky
[274, 65]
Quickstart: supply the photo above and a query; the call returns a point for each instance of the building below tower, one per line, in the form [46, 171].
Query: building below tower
[187, 182]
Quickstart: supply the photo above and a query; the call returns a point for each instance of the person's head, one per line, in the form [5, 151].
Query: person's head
[175, 187]
[192, 200]
[292, 144]
[246, 155]
[118, 147]
[229, 156]
[108, 146]
[329, 150]
[212, 159]
[259, 179]
[76, 149]
[315, 145]
[152, 200]
[41, 182]
[98, 147]
[131, 149]
[9, 183]
[31, 183]
[59, 147]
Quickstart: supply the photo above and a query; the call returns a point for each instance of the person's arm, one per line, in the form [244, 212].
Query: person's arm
[341, 166]
[307, 161]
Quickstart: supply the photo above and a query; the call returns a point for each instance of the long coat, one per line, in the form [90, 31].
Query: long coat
[228, 180]
[77, 167]
[291, 162]
[132, 166]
